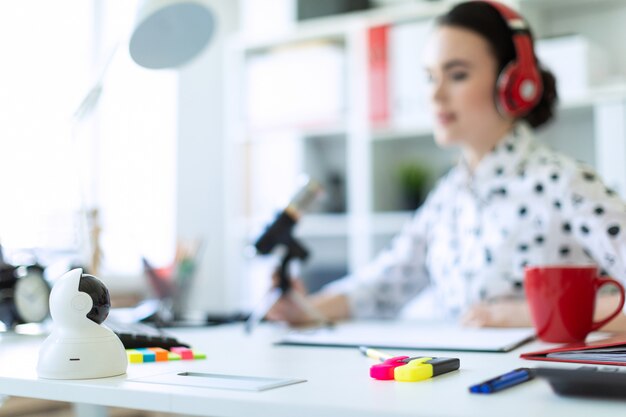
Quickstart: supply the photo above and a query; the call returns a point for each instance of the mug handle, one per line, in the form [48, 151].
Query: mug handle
[602, 281]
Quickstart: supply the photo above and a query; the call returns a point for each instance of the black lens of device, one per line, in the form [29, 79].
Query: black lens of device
[99, 295]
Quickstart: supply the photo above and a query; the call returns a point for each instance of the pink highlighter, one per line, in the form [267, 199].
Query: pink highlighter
[406, 368]
[385, 371]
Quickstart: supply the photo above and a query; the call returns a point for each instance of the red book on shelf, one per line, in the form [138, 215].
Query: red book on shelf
[378, 71]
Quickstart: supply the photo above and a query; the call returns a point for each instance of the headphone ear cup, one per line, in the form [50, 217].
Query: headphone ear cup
[504, 101]
[517, 91]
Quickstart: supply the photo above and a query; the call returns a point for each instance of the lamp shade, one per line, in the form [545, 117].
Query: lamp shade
[169, 33]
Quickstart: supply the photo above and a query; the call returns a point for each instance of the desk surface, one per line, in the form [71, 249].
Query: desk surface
[337, 382]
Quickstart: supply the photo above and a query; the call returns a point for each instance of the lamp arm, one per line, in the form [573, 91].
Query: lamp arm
[89, 103]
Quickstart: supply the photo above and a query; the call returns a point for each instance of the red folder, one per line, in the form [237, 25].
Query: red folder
[614, 341]
[378, 62]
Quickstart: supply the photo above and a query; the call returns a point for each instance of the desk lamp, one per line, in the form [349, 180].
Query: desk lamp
[167, 34]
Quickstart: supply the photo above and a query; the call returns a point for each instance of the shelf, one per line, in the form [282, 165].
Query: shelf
[412, 10]
[426, 132]
[608, 92]
[322, 225]
[584, 102]
[312, 225]
[324, 131]
[333, 29]
[594, 96]
[336, 225]
[390, 222]
[549, 5]
[403, 133]
[336, 28]
[329, 131]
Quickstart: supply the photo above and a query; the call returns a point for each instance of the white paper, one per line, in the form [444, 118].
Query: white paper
[607, 354]
[412, 335]
[219, 381]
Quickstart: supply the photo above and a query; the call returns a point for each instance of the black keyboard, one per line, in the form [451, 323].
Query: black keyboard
[589, 381]
[140, 335]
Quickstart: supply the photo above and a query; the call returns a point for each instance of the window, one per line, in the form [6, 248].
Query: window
[46, 62]
[119, 159]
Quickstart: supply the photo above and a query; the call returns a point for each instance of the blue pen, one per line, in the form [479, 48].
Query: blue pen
[502, 382]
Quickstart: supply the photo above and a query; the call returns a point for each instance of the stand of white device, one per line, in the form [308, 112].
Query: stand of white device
[79, 347]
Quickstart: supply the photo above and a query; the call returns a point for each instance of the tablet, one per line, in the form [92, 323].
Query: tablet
[588, 381]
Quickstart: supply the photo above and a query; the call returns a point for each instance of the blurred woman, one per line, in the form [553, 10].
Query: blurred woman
[509, 203]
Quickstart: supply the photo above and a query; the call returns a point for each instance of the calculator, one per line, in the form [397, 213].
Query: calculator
[588, 381]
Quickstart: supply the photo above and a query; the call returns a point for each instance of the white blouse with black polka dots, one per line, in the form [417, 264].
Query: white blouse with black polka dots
[524, 204]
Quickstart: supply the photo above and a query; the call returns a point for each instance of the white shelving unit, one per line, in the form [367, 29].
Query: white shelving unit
[591, 128]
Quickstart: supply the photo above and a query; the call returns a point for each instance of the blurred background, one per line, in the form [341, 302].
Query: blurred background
[191, 164]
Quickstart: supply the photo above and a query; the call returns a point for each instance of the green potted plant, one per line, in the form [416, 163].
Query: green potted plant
[414, 178]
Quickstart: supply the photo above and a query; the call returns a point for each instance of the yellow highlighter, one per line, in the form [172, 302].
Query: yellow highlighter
[419, 369]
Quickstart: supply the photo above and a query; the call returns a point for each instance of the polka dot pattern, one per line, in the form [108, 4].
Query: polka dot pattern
[522, 205]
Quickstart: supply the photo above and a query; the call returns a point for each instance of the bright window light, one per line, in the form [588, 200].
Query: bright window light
[46, 62]
[119, 159]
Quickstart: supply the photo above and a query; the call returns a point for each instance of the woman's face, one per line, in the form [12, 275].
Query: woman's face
[462, 75]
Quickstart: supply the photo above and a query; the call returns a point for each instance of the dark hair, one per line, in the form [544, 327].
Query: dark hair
[485, 20]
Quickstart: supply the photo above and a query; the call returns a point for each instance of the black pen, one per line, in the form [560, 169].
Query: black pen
[504, 381]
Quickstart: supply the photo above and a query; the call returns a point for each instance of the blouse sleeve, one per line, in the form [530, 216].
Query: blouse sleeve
[394, 277]
[598, 220]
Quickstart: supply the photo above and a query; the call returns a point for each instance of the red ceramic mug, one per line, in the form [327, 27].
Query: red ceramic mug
[562, 301]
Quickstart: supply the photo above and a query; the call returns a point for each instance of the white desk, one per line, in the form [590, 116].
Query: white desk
[338, 382]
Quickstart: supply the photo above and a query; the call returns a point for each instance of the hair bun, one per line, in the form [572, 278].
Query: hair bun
[543, 112]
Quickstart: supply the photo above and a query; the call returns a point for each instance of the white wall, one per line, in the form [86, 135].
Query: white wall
[200, 180]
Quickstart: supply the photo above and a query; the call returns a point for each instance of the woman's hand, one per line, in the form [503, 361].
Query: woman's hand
[287, 309]
[605, 306]
[326, 308]
[508, 313]
[515, 313]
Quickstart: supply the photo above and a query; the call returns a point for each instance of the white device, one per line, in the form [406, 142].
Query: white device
[79, 347]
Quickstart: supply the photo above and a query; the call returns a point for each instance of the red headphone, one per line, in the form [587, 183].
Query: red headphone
[519, 86]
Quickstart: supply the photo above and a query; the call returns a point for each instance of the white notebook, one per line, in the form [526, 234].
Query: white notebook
[412, 335]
